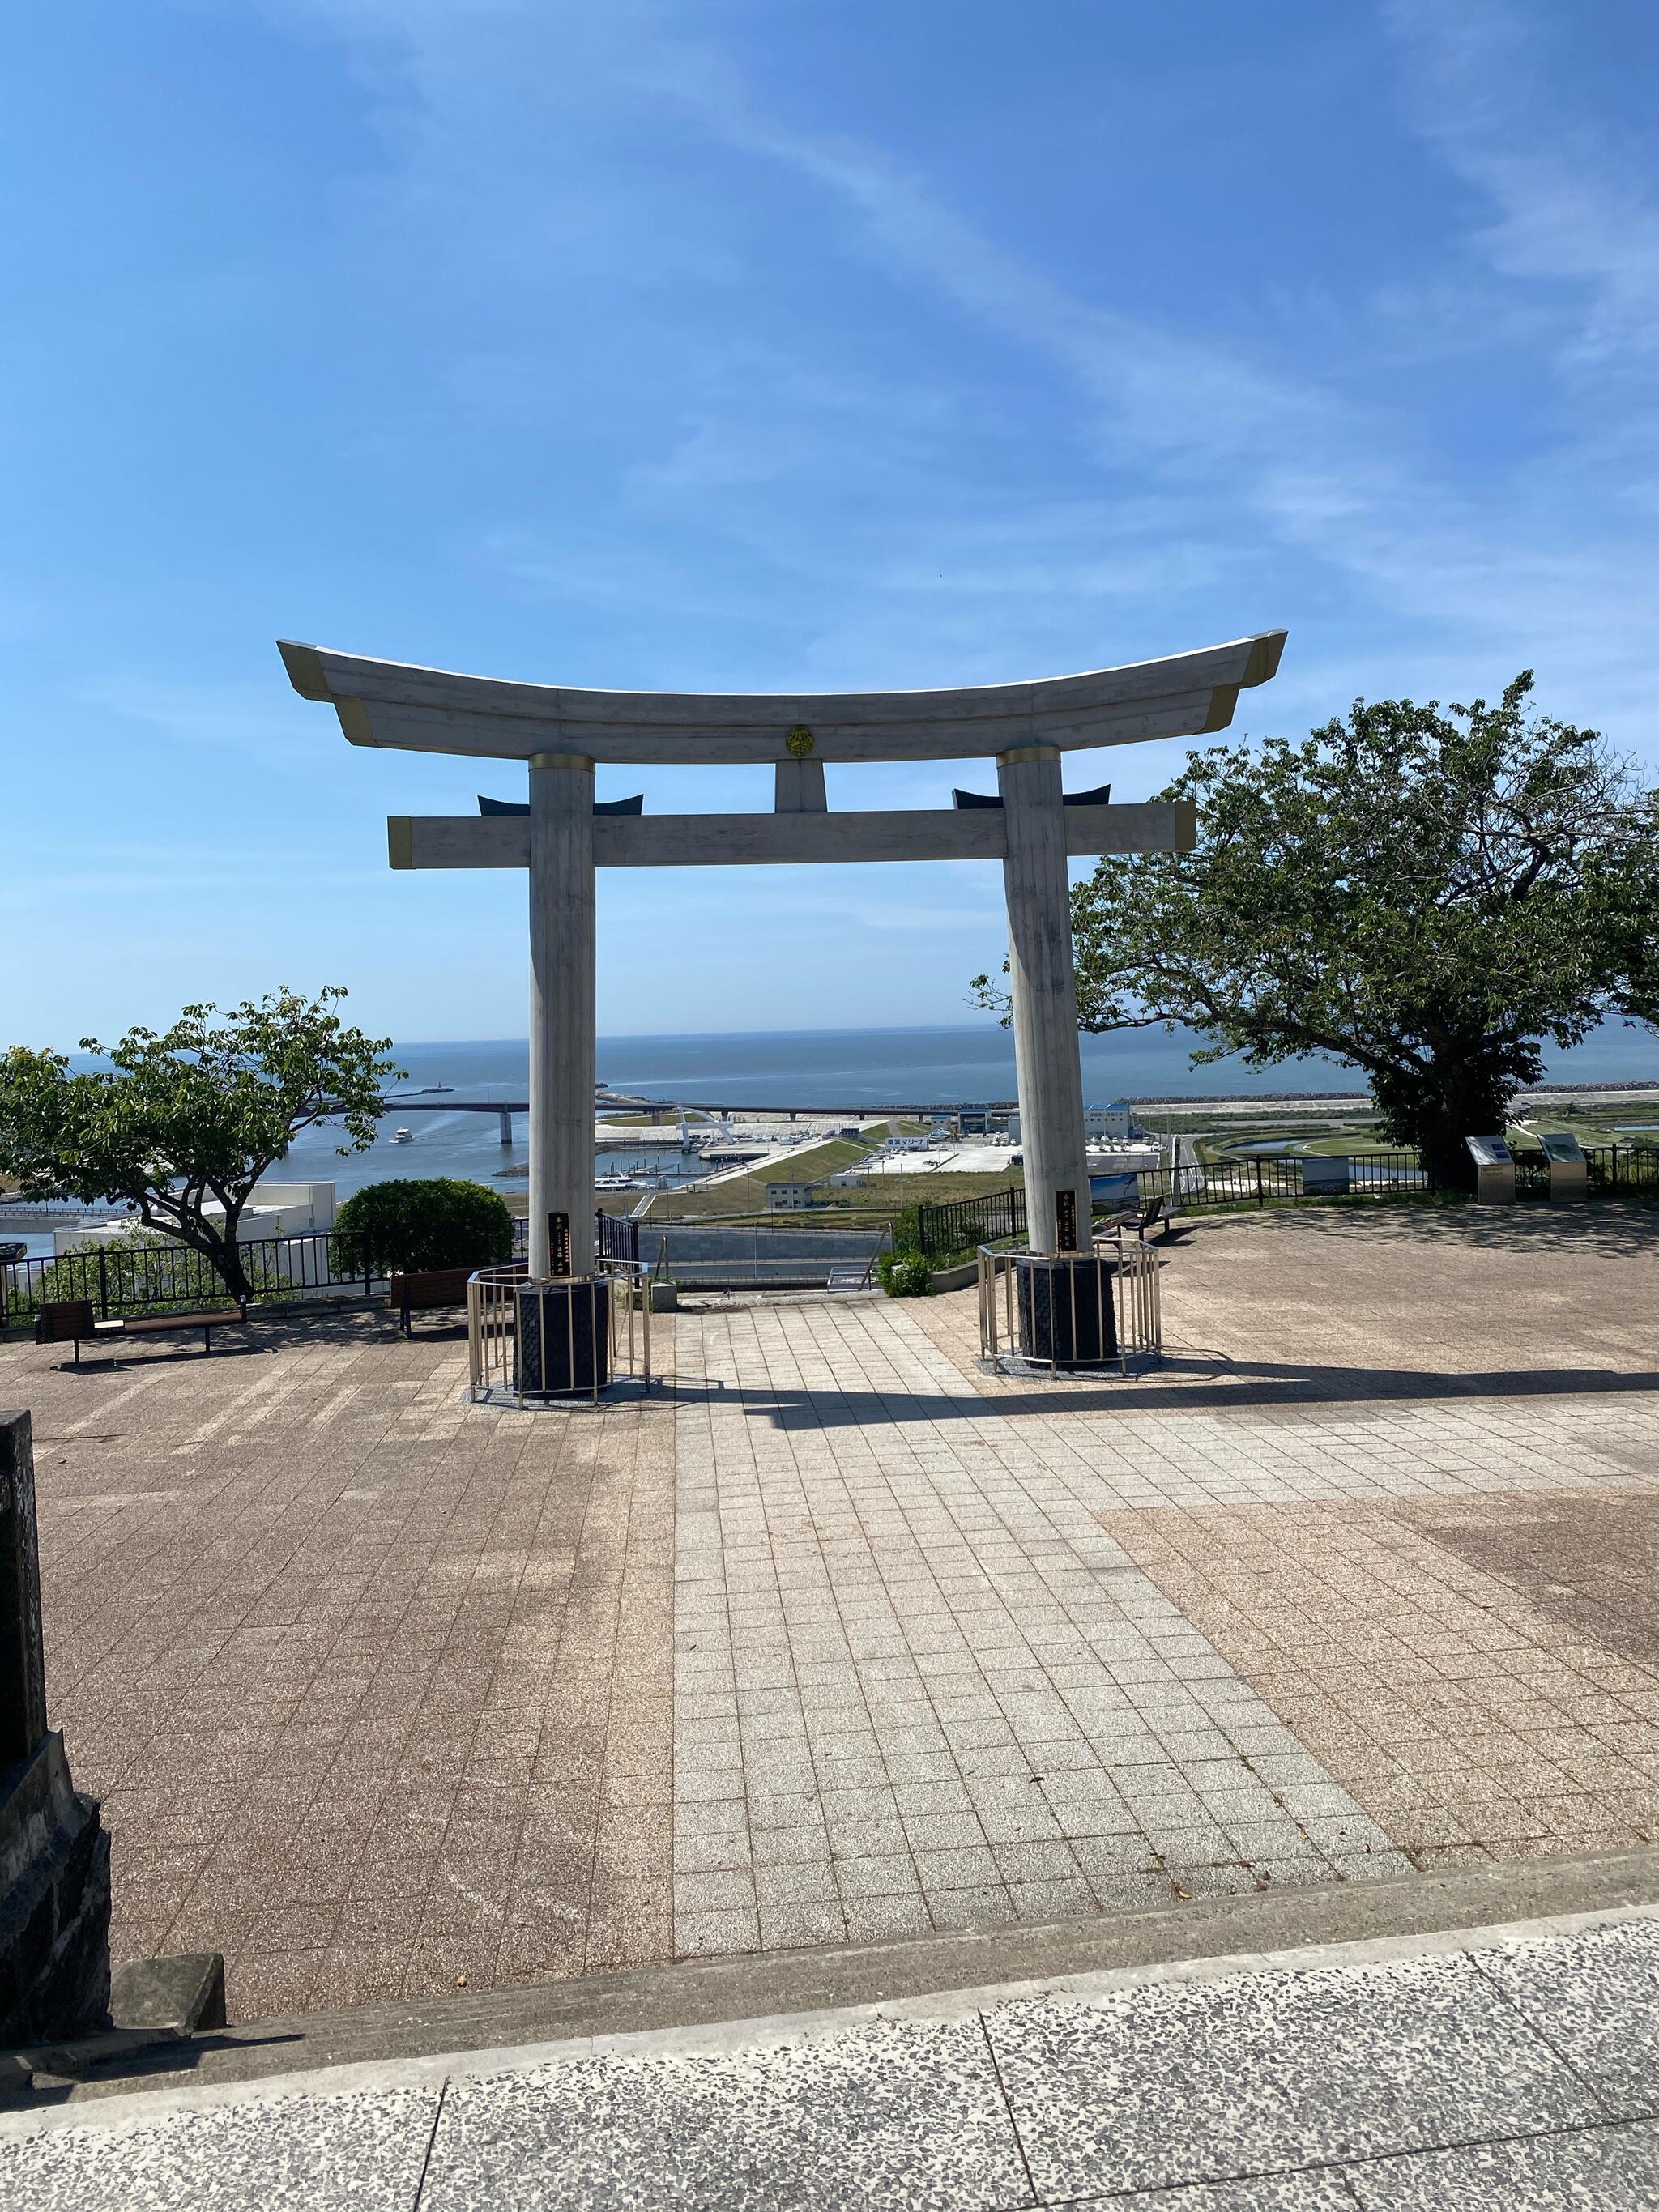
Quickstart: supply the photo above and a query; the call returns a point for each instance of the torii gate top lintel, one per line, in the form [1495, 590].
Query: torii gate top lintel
[399, 705]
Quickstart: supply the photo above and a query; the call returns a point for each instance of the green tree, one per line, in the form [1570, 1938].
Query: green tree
[416, 1223]
[1429, 896]
[192, 1117]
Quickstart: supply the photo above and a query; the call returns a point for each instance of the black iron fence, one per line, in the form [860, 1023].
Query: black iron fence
[1277, 1178]
[1622, 1167]
[938, 1232]
[943, 1232]
[617, 1236]
[137, 1277]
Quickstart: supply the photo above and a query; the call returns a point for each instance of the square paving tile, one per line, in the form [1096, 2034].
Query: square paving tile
[913, 2111]
[289, 2154]
[1612, 2168]
[1591, 1998]
[1169, 2082]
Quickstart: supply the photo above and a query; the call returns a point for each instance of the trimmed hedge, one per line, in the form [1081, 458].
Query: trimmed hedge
[418, 1223]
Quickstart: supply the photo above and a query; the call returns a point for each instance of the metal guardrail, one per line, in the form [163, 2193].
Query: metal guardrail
[1140, 1304]
[616, 1236]
[941, 1232]
[1060, 1301]
[1623, 1167]
[1278, 1179]
[492, 1305]
[964, 1223]
[141, 1277]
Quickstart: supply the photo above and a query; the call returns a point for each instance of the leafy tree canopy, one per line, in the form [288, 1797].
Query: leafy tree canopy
[192, 1115]
[422, 1222]
[1429, 895]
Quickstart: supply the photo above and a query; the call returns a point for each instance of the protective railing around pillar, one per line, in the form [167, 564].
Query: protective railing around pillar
[1062, 1295]
[492, 1304]
[1140, 1304]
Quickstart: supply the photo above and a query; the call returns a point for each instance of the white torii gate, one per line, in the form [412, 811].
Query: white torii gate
[561, 733]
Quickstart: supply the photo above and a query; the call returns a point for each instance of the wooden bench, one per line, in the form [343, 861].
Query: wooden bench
[1156, 1213]
[71, 1321]
[425, 1292]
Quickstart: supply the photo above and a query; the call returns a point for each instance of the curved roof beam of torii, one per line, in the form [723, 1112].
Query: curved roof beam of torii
[394, 703]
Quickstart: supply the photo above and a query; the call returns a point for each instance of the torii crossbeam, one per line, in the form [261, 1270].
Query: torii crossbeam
[560, 732]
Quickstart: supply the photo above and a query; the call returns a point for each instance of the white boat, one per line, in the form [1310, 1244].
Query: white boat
[402, 1136]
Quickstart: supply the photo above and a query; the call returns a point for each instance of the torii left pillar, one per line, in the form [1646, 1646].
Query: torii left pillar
[563, 1009]
[1042, 981]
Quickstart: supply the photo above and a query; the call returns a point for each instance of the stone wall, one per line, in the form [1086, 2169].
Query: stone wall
[54, 1853]
[54, 1904]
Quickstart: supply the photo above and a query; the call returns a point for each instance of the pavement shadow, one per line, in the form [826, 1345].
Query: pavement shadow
[103, 1358]
[1242, 1383]
[57, 2074]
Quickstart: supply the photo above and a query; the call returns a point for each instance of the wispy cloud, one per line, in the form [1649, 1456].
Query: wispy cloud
[1573, 197]
[1216, 464]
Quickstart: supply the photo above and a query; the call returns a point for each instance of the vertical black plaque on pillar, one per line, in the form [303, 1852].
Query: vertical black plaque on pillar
[1065, 1221]
[558, 1244]
[22, 1663]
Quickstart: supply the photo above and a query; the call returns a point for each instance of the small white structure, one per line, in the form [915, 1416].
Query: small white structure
[788, 1197]
[847, 1179]
[1123, 1159]
[284, 1209]
[1109, 1121]
[273, 1209]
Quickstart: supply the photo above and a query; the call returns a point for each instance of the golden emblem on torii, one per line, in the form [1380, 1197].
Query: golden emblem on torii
[800, 741]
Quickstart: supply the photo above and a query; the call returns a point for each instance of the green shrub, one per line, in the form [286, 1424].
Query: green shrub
[907, 1229]
[904, 1275]
[415, 1224]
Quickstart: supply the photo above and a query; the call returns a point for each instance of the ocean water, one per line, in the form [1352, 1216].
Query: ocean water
[830, 1067]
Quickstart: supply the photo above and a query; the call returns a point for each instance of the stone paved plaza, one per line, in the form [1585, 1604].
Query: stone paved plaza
[835, 1637]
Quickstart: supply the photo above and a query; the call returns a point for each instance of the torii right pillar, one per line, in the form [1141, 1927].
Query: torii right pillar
[1043, 980]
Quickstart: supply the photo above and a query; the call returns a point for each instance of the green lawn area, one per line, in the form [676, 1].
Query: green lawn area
[746, 1194]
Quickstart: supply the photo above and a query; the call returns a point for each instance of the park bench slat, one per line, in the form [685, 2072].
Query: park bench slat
[425, 1290]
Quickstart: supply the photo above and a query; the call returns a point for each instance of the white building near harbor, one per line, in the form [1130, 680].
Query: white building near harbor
[1111, 1122]
[788, 1197]
[273, 1209]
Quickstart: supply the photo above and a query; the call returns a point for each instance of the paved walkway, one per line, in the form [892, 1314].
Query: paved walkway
[839, 1639]
[1510, 2069]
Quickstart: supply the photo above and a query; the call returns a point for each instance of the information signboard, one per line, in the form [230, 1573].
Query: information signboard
[1561, 1145]
[1569, 1170]
[1494, 1170]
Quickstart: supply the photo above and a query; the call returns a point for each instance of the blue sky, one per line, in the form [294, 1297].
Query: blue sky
[741, 344]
